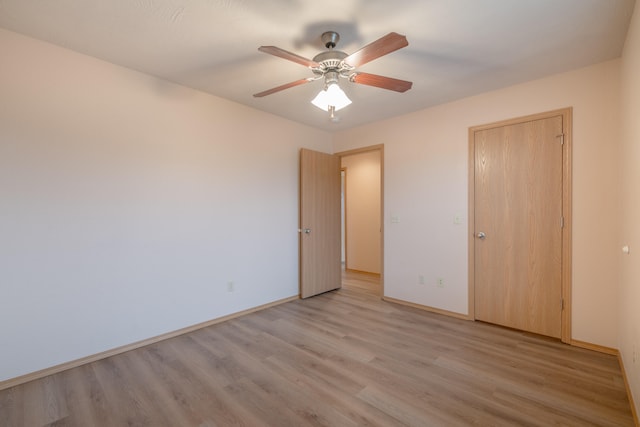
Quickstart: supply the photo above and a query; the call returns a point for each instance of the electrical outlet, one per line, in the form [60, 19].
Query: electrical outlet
[440, 282]
[230, 286]
[421, 279]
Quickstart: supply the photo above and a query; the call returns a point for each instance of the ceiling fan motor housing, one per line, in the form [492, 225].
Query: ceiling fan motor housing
[331, 60]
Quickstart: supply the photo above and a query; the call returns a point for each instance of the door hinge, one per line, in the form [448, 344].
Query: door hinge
[562, 303]
[561, 136]
[561, 222]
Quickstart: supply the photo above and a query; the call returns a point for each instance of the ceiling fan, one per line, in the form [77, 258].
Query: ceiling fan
[333, 64]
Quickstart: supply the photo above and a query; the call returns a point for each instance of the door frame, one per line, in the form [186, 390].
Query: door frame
[343, 213]
[567, 126]
[380, 148]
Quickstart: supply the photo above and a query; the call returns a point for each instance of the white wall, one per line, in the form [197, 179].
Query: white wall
[630, 214]
[426, 186]
[127, 203]
[363, 222]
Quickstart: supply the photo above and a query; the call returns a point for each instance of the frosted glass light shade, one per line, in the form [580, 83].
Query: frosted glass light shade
[331, 96]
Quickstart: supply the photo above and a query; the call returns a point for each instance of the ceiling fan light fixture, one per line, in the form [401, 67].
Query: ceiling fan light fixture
[331, 96]
[333, 64]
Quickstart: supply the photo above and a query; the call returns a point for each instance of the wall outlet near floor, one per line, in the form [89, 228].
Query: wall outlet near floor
[440, 282]
[231, 286]
[421, 279]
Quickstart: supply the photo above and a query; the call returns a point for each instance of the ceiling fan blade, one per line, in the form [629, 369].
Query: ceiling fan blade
[384, 45]
[381, 82]
[276, 51]
[283, 87]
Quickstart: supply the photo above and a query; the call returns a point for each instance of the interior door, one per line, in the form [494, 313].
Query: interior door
[320, 223]
[518, 225]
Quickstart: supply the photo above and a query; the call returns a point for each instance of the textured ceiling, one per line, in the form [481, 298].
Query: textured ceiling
[457, 48]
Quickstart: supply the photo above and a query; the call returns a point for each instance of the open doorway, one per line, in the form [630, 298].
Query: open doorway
[362, 217]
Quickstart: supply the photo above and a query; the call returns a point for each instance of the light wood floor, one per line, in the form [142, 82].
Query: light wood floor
[344, 358]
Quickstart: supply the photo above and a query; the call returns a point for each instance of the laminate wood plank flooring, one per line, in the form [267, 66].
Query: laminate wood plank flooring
[343, 358]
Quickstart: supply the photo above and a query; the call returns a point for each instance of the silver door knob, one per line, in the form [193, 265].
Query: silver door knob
[307, 231]
[481, 235]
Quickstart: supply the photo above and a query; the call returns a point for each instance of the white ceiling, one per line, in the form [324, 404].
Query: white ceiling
[457, 48]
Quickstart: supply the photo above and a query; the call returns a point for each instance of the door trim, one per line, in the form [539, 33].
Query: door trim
[380, 148]
[343, 219]
[567, 126]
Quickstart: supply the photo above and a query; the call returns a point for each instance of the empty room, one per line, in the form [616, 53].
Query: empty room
[339, 213]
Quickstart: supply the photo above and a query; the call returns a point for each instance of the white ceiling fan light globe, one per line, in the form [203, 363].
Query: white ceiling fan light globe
[334, 96]
[321, 100]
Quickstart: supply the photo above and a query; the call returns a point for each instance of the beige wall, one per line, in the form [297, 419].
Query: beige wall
[426, 187]
[127, 203]
[629, 216]
[362, 222]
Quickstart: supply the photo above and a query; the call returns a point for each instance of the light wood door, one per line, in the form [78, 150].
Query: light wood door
[518, 225]
[320, 224]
